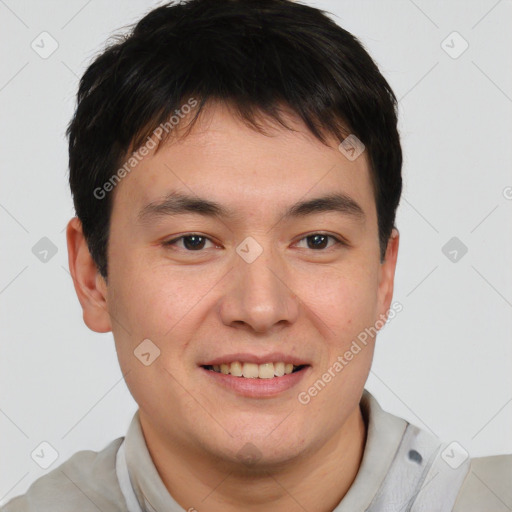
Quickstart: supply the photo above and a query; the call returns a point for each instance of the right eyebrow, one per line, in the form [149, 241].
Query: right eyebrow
[176, 203]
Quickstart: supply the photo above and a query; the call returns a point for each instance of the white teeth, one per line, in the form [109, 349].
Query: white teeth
[266, 371]
[253, 370]
[278, 369]
[236, 369]
[250, 370]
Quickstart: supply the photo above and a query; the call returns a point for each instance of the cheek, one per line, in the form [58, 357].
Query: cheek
[158, 301]
[153, 303]
[345, 298]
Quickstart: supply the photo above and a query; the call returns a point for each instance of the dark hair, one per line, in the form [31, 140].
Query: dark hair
[255, 55]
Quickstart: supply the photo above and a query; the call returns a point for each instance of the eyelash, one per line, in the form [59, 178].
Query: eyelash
[338, 241]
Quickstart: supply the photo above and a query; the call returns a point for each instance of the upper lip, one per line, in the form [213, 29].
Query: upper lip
[274, 357]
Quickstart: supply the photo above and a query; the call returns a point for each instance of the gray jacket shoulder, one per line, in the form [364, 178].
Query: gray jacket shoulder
[487, 486]
[87, 481]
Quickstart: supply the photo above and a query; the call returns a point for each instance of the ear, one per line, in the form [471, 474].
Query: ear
[387, 275]
[90, 286]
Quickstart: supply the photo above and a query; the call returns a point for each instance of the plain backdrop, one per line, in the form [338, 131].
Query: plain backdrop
[443, 363]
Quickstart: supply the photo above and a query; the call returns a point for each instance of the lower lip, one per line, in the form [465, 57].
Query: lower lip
[257, 388]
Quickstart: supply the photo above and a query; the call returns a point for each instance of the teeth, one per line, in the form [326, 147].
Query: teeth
[266, 371]
[235, 369]
[250, 370]
[253, 370]
[279, 369]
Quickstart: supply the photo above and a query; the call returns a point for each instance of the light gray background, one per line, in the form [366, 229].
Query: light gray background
[444, 363]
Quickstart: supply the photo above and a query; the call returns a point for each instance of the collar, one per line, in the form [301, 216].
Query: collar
[383, 437]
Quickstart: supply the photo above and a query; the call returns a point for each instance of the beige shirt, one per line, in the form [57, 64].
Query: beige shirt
[90, 481]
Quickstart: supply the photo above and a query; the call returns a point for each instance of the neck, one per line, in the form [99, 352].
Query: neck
[315, 482]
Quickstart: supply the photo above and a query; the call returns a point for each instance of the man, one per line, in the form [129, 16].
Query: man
[236, 168]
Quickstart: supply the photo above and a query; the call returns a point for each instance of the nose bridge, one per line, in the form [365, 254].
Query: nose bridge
[259, 295]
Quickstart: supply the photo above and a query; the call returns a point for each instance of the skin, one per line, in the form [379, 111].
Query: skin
[195, 306]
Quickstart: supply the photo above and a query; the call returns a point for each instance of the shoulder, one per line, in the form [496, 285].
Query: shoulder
[87, 481]
[487, 486]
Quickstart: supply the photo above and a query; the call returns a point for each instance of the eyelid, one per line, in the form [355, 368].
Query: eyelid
[171, 242]
[339, 240]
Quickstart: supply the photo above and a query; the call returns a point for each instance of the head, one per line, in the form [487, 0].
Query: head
[218, 217]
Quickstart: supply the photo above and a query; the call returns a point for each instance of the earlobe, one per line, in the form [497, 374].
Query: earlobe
[89, 285]
[387, 274]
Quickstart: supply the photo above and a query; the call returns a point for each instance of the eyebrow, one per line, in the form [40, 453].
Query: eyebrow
[177, 203]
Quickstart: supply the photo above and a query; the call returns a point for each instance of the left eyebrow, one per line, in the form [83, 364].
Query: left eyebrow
[339, 202]
[177, 203]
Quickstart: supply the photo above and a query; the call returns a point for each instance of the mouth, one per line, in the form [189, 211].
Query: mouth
[256, 380]
[255, 371]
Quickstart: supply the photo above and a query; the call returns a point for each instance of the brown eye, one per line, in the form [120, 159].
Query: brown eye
[191, 242]
[319, 241]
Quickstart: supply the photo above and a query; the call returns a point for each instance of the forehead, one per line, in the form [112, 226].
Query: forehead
[224, 159]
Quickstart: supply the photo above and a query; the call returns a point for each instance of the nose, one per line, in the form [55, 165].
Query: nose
[259, 295]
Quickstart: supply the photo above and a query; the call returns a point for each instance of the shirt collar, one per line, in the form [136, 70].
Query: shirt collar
[151, 492]
[384, 433]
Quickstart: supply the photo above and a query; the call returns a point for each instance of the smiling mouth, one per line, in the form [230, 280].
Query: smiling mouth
[256, 371]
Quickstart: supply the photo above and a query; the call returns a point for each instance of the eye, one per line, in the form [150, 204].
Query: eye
[194, 242]
[191, 242]
[319, 241]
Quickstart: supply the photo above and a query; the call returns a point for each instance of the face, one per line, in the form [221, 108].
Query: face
[247, 280]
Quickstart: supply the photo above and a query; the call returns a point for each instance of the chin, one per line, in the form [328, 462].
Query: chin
[257, 450]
